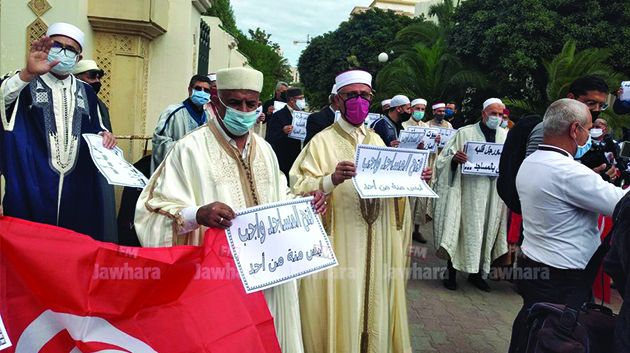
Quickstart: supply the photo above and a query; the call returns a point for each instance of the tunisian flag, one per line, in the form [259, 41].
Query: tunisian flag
[61, 291]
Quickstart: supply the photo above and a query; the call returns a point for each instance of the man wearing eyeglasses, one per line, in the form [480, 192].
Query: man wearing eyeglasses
[179, 119]
[329, 303]
[50, 176]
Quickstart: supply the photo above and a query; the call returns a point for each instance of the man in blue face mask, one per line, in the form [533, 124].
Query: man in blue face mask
[213, 171]
[50, 177]
[179, 119]
[561, 200]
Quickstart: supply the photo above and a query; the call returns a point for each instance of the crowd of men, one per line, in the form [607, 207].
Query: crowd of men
[567, 170]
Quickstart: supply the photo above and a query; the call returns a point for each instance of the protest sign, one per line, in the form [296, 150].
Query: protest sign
[384, 172]
[483, 158]
[279, 242]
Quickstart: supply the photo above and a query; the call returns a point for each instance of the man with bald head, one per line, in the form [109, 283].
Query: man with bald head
[50, 176]
[561, 201]
[213, 171]
[470, 224]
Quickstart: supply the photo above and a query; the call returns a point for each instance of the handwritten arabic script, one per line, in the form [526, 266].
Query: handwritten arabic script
[483, 158]
[384, 172]
[430, 134]
[299, 125]
[276, 243]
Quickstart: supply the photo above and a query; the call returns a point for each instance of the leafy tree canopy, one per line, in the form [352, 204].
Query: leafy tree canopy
[511, 39]
[261, 52]
[356, 43]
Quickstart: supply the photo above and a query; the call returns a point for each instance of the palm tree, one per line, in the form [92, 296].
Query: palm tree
[430, 72]
[445, 13]
[565, 68]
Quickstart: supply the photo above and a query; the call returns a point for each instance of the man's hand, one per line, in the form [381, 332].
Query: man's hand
[215, 215]
[600, 168]
[287, 129]
[394, 143]
[460, 157]
[319, 201]
[421, 146]
[345, 170]
[109, 140]
[438, 138]
[261, 118]
[427, 174]
[619, 92]
[612, 173]
[270, 109]
[37, 61]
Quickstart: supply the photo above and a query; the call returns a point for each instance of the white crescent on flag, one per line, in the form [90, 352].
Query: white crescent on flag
[82, 329]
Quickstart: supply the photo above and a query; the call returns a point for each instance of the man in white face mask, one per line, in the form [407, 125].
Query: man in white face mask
[470, 220]
[44, 111]
[214, 170]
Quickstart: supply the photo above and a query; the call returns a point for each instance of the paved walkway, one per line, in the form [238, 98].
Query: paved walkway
[466, 320]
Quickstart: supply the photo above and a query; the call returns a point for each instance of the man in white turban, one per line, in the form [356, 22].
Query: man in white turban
[470, 220]
[214, 170]
[44, 110]
[360, 305]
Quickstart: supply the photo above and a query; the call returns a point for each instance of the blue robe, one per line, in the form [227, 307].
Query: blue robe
[41, 185]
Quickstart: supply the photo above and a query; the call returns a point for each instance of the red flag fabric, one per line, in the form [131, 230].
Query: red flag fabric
[61, 291]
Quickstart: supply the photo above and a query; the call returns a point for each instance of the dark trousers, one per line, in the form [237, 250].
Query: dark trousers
[551, 285]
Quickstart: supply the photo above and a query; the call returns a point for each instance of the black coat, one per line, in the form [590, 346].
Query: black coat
[387, 129]
[617, 265]
[514, 152]
[286, 149]
[318, 121]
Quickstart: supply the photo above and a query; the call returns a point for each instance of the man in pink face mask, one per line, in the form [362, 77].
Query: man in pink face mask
[371, 239]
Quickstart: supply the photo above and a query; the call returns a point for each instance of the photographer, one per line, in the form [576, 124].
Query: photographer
[561, 200]
[605, 151]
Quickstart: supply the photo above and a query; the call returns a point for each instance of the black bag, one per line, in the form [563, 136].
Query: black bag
[578, 326]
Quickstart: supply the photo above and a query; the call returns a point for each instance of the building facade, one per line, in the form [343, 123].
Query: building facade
[401, 7]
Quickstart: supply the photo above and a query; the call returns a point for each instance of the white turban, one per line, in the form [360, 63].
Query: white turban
[438, 106]
[492, 101]
[68, 30]
[386, 102]
[239, 78]
[334, 89]
[418, 101]
[353, 76]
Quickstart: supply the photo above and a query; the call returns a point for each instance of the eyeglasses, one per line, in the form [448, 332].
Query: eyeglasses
[198, 88]
[94, 74]
[351, 95]
[59, 47]
[592, 105]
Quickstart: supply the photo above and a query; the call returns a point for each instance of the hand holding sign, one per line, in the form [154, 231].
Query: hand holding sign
[345, 170]
[215, 215]
[460, 157]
